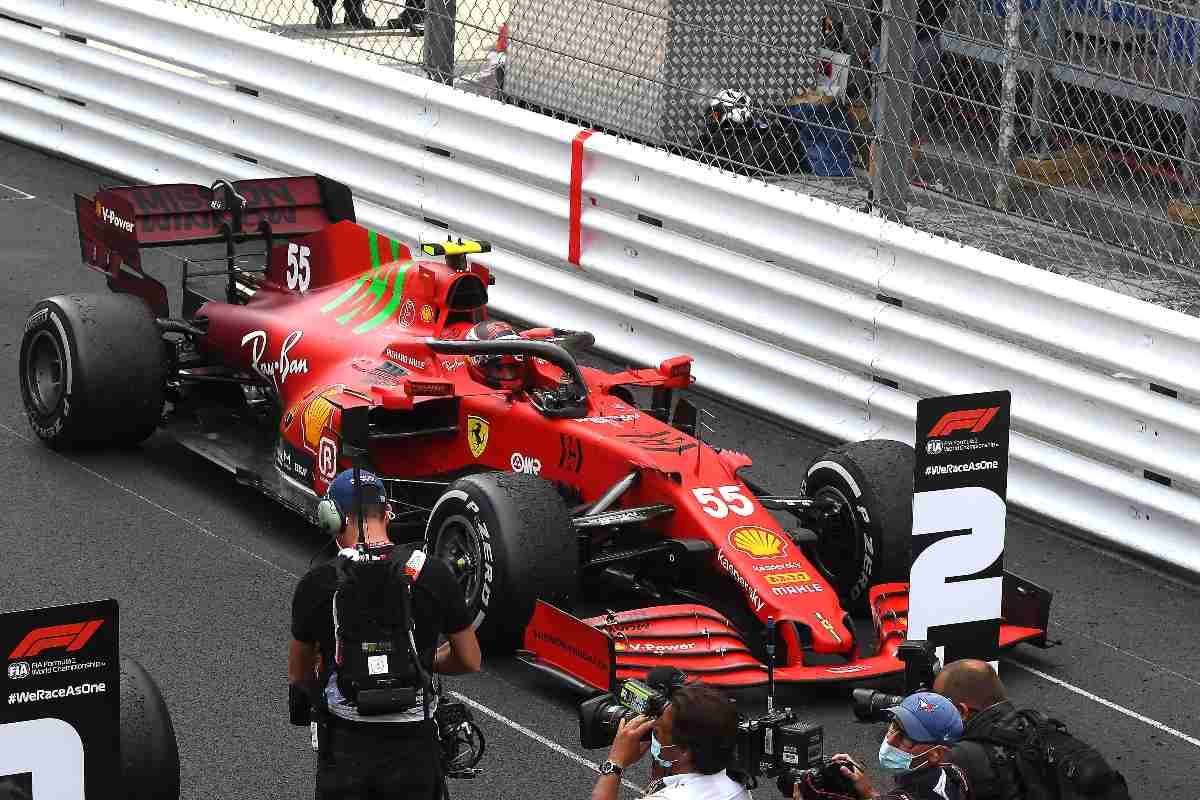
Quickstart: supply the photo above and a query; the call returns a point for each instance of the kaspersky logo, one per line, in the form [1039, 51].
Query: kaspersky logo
[71, 637]
[110, 216]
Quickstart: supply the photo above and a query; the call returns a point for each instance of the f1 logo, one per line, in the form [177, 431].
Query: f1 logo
[72, 637]
[976, 420]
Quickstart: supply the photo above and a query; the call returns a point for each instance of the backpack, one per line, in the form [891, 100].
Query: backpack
[372, 623]
[1035, 757]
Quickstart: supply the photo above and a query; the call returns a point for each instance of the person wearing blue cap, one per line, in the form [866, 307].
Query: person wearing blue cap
[374, 739]
[924, 727]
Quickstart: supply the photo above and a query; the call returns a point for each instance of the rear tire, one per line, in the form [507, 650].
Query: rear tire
[93, 370]
[149, 753]
[509, 540]
[869, 542]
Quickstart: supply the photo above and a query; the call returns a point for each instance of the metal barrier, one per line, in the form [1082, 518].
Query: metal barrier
[1060, 133]
[830, 318]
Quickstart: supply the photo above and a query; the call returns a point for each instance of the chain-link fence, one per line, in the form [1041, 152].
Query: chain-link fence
[1061, 133]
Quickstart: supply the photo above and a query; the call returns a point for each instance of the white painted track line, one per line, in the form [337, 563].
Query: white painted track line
[1070, 687]
[27, 195]
[537, 737]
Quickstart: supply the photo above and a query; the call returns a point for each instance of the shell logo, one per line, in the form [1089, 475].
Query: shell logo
[758, 542]
[317, 416]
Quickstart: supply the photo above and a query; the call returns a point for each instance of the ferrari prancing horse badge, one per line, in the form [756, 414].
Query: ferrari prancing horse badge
[477, 435]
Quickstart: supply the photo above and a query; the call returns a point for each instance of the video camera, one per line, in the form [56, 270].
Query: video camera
[776, 744]
[921, 666]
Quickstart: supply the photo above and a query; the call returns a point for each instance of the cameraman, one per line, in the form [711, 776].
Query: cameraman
[997, 752]
[692, 742]
[914, 751]
[395, 752]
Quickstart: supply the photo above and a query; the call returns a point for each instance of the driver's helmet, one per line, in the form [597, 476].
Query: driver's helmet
[498, 372]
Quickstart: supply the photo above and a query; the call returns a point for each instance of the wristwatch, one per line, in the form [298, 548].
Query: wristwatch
[611, 767]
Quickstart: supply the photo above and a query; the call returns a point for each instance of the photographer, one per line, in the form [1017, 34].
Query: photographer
[1003, 750]
[374, 726]
[914, 751]
[692, 741]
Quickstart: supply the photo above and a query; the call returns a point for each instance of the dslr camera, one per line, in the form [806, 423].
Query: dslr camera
[774, 745]
[921, 666]
[817, 783]
[600, 717]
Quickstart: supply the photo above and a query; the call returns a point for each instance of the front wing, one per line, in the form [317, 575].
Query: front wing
[594, 654]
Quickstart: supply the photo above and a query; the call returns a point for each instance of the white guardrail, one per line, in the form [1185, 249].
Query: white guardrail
[778, 296]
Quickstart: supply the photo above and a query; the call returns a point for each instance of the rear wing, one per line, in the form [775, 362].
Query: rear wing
[117, 223]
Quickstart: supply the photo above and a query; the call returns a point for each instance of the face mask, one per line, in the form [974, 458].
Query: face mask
[656, 751]
[895, 760]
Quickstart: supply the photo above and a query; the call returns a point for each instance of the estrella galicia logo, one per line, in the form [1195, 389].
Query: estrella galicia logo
[18, 670]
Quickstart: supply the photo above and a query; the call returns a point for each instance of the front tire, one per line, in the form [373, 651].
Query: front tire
[92, 370]
[509, 540]
[868, 542]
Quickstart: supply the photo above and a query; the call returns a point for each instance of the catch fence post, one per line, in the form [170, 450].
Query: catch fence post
[439, 40]
[893, 99]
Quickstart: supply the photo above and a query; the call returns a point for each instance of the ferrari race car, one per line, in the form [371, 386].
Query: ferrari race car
[307, 343]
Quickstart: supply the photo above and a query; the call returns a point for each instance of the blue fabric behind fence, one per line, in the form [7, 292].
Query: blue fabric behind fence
[825, 133]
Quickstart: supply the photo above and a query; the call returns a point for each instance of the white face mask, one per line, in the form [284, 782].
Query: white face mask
[656, 749]
[896, 761]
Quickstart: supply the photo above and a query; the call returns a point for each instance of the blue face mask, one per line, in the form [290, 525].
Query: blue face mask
[894, 760]
[656, 751]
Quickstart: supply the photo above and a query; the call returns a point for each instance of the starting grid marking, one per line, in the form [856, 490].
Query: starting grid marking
[13, 193]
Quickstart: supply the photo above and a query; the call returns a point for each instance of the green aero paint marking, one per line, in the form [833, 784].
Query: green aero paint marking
[377, 289]
[389, 311]
[373, 243]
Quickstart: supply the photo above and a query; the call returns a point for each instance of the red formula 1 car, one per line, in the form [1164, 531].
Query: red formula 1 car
[534, 477]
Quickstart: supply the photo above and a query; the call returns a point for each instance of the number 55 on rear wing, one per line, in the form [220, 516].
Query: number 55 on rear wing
[117, 223]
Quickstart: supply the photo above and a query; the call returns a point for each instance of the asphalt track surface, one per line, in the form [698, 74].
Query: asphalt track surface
[204, 571]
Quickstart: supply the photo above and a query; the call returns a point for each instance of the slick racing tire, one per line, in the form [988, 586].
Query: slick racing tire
[867, 543]
[149, 753]
[93, 370]
[509, 541]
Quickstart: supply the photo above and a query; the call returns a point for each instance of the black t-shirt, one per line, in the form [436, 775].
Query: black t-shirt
[438, 606]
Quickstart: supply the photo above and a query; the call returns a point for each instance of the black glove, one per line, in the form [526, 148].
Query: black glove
[299, 705]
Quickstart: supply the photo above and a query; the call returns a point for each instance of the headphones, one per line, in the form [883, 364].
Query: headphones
[329, 516]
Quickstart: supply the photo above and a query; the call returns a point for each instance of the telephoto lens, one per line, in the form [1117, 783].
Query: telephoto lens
[599, 719]
[870, 706]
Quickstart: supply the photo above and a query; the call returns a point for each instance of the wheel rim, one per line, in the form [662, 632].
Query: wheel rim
[840, 549]
[458, 546]
[45, 372]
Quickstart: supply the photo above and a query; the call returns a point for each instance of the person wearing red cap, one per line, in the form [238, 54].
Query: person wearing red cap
[923, 729]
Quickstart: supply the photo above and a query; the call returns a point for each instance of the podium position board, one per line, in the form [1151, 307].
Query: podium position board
[959, 505]
[60, 702]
